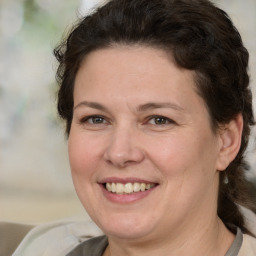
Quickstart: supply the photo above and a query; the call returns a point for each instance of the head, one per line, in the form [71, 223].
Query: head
[198, 37]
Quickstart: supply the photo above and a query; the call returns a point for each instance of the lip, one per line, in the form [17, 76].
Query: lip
[125, 198]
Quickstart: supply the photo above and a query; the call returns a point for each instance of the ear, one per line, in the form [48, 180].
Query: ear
[230, 141]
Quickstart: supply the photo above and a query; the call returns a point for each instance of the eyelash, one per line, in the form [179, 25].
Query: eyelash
[87, 118]
[165, 120]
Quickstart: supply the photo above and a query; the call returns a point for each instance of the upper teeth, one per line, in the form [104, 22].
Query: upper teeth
[128, 188]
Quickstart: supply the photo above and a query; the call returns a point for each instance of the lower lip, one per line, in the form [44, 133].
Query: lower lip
[126, 198]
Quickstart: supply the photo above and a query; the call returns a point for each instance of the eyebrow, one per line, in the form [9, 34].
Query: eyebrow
[153, 105]
[91, 105]
[140, 108]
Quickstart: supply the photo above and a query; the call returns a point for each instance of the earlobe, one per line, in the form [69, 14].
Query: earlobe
[230, 140]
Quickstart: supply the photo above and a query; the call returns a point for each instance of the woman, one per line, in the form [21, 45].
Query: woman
[158, 111]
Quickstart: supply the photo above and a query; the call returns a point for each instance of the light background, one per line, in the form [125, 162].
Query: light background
[35, 181]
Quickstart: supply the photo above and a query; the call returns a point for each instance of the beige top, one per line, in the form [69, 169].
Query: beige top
[69, 238]
[248, 246]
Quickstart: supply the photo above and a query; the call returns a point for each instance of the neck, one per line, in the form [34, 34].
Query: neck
[211, 240]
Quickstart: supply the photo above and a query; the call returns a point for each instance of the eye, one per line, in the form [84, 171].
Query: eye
[160, 120]
[93, 120]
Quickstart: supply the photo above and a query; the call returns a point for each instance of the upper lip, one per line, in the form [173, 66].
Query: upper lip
[125, 180]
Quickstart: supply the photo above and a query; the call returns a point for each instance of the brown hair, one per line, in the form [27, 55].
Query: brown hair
[201, 37]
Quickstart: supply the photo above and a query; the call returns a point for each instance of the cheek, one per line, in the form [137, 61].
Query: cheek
[189, 156]
[83, 160]
[83, 154]
[171, 152]
[188, 169]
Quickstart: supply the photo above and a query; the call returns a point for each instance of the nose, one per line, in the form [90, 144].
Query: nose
[123, 148]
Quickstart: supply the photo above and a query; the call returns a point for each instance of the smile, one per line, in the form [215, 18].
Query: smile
[128, 188]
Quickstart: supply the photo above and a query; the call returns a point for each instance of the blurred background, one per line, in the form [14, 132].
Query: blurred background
[35, 180]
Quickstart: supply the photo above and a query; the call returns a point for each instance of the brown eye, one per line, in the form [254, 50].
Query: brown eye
[160, 120]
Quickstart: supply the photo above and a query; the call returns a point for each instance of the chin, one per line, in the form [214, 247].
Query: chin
[127, 234]
[126, 227]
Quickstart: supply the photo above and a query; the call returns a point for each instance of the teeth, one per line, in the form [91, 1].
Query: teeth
[128, 188]
[113, 187]
[136, 187]
[108, 186]
[142, 186]
[119, 188]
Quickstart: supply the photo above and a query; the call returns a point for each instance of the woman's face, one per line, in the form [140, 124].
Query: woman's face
[140, 130]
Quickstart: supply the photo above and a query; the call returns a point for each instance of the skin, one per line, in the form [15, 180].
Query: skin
[181, 153]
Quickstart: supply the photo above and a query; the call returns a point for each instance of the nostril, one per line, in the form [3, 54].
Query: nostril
[124, 158]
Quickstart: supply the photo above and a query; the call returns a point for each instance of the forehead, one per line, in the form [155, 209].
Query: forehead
[131, 65]
[129, 52]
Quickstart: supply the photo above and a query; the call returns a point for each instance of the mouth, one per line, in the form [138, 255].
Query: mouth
[128, 188]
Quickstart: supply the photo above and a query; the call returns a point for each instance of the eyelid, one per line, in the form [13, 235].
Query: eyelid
[170, 121]
[86, 118]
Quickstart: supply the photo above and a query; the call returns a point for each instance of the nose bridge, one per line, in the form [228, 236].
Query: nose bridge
[123, 147]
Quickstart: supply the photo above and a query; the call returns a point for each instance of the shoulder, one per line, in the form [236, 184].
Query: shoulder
[248, 247]
[56, 238]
